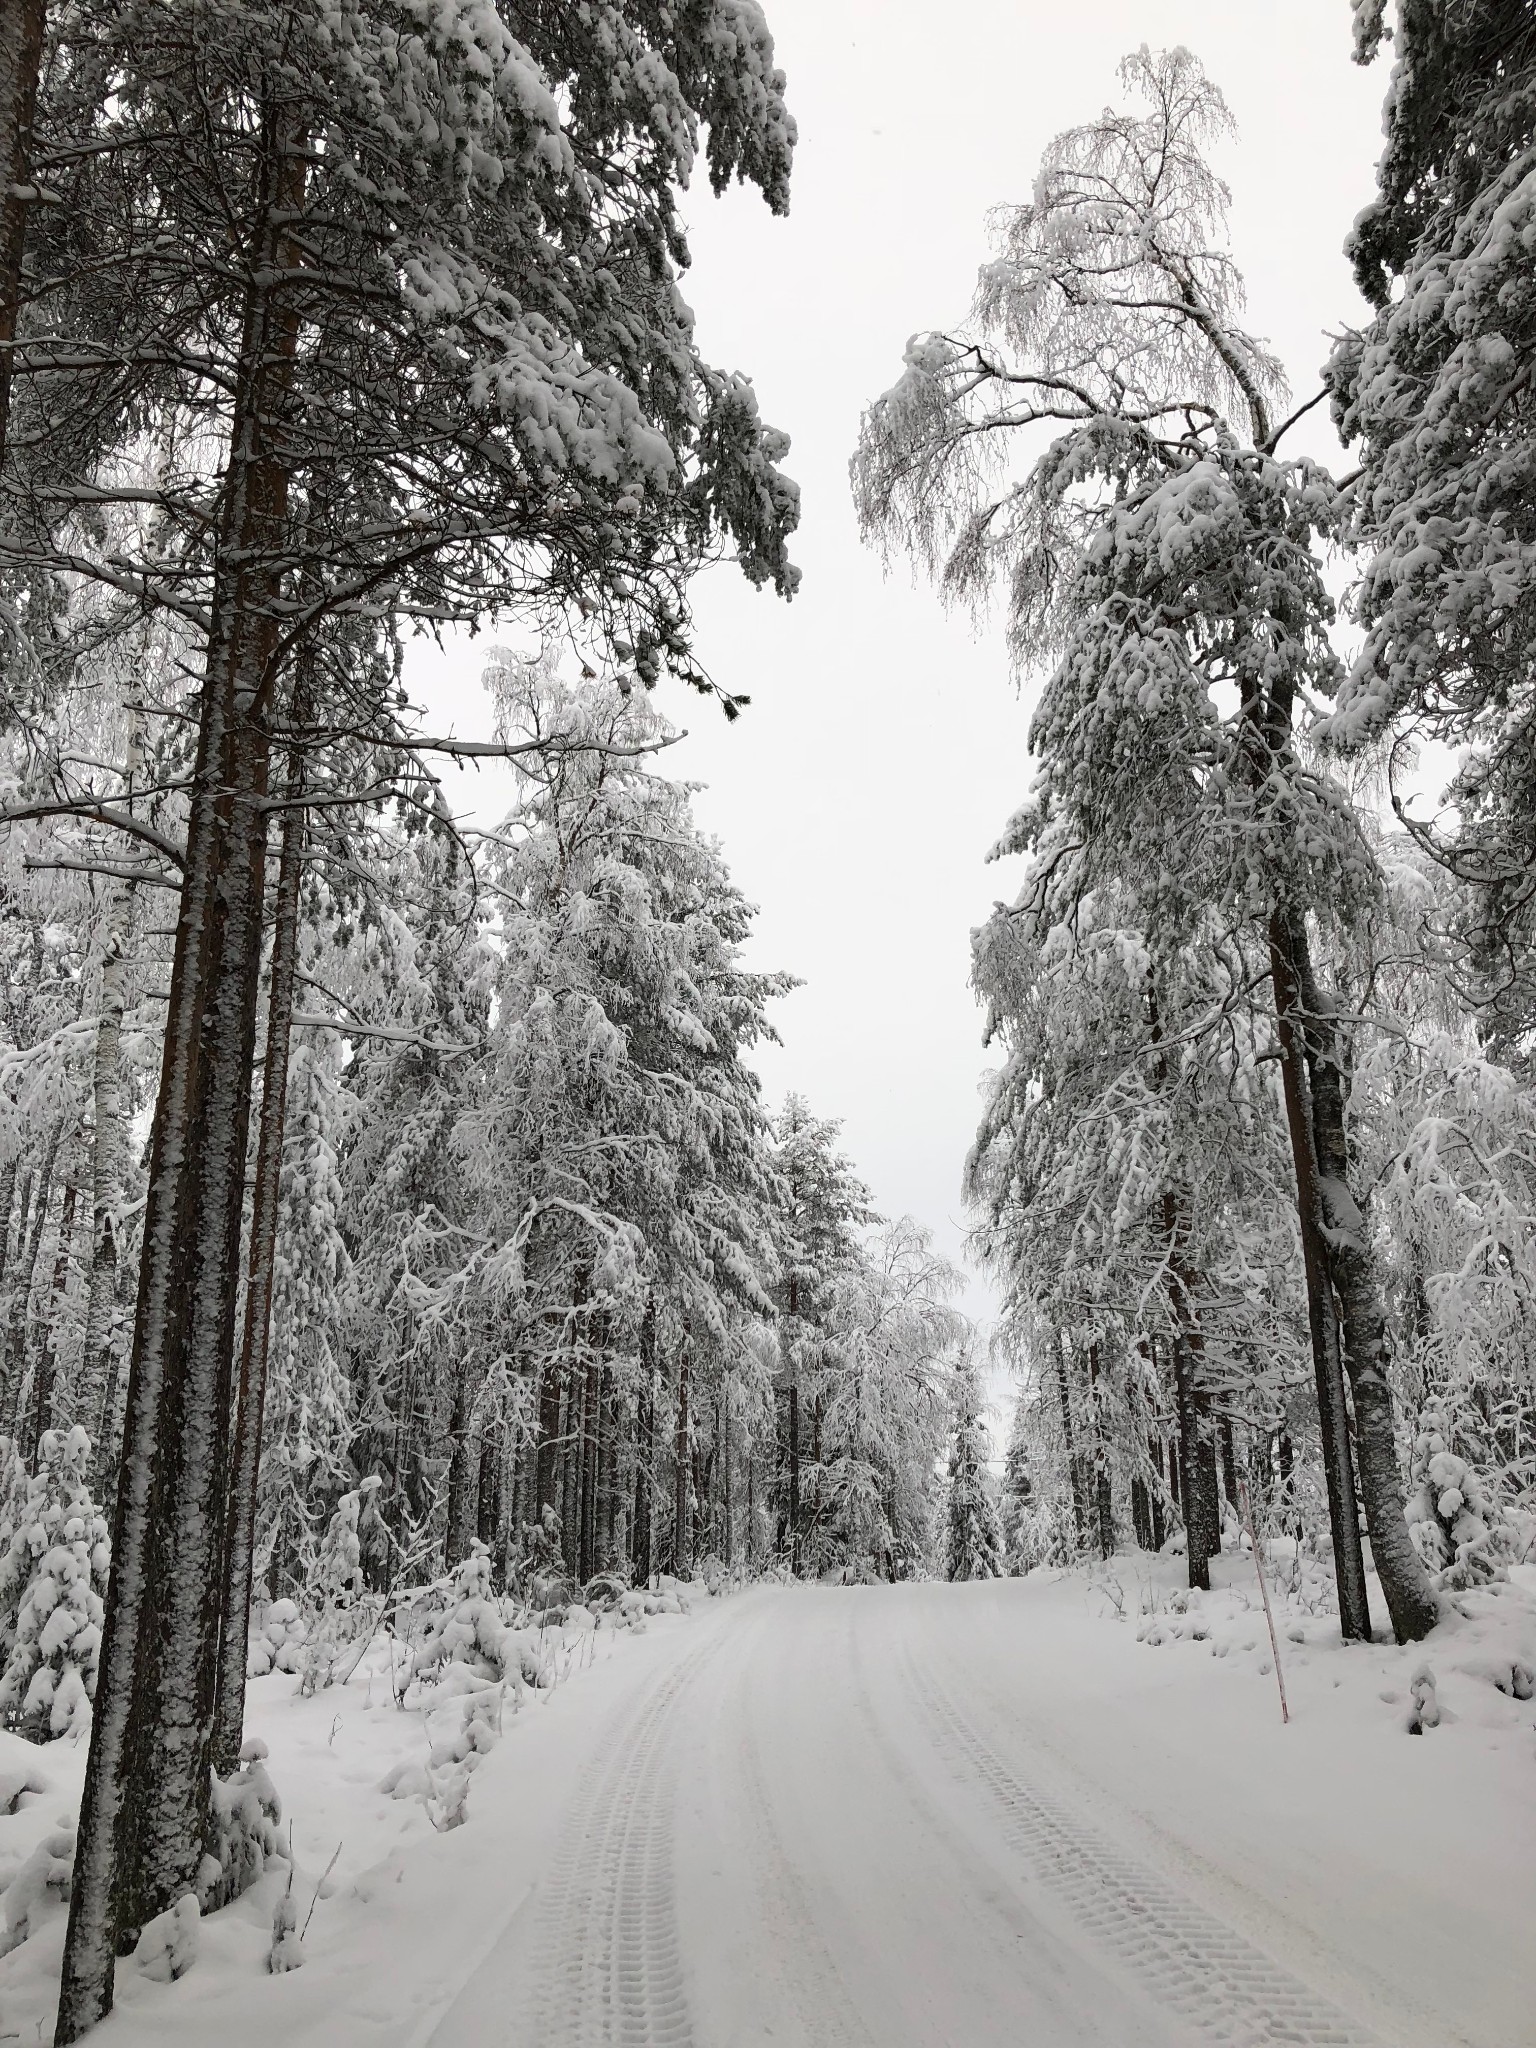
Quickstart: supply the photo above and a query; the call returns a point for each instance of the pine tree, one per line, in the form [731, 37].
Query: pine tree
[61, 1544]
[973, 1547]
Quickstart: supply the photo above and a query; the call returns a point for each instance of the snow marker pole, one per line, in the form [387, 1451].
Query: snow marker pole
[1246, 1505]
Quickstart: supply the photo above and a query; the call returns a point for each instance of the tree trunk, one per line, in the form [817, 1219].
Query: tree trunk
[45, 1387]
[1229, 1463]
[463, 1472]
[591, 1426]
[794, 1479]
[1069, 1435]
[144, 1812]
[725, 1452]
[21, 52]
[488, 1493]
[1405, 1585]
[548, 1453]
[645, 1449]
[682, 1462]
[1289, 961]
[29, 1244]
[251, 1397]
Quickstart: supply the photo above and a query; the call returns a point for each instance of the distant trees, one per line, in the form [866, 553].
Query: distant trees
[973, 1541]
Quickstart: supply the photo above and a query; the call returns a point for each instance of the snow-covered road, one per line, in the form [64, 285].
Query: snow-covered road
[868, 1818]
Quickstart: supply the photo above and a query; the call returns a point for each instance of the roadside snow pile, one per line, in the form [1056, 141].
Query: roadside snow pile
[1477, 1666]
[375, 1768]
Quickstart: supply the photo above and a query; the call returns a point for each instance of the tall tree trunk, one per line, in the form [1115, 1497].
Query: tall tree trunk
[45, 1389]
[107, 1150]
[591, 1425]
[463, 1472]
[1289, 958]
[645, 1449]
[21, 51]
[1069, 1436]
[1405, 1585]
[682, 1463]
[1202, 1503]
[548, 1452]
[144, 1812]
[251, 1396]
[725, 1452]
[30, 1244]
[488, 1493]
[794, 1478]
[1228, 1463]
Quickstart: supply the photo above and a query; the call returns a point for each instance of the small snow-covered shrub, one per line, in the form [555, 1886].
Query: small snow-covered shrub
[167, 1945]
[50, 1672]
[42, 1881]
[277, 1645]
[246, 1813]
[336, 1587]
[1457, 1529]
[474, 1632]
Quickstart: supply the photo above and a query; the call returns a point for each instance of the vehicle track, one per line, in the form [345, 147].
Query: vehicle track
[613, 1971]
[1217, 1982]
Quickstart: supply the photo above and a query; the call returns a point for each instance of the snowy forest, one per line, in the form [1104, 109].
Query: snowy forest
[410, 1287]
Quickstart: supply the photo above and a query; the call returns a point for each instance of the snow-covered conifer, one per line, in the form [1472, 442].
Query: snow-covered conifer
[973, 1543]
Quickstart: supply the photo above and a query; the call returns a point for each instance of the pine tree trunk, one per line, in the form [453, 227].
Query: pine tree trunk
[591, 1426]
[1405, 1585]
[794, 1479]
[1288, 954]
[39, 1191]
[463, 1472]
[107, 1151]
[1074, 1469]
[21, 50]
[725, 1452]
[682, 1460]
[251, 1394]
[46, 1382]
[488, 1493]
[547, 1456]
[144, 1813]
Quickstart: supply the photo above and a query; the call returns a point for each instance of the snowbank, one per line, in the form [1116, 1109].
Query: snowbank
[392, 1899]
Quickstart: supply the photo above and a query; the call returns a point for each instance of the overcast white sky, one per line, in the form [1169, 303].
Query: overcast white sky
[886, 743]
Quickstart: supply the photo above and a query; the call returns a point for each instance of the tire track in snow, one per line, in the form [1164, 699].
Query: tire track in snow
[613, 1974]
[825, 2009]
[1217, 1982]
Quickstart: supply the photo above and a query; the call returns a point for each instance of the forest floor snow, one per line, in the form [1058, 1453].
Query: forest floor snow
[1061, 1810]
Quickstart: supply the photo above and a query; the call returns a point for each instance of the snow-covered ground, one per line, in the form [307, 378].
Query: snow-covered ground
[1057, 1811]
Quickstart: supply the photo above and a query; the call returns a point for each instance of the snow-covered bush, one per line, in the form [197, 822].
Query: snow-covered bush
[276, 1645]
[246, 1813]
[167, 1945]
[1458, 1531]
[50, 1672]
[336, 1587]
[42, 1880]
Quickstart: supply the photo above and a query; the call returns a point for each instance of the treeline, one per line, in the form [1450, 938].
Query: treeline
[1257, 1170]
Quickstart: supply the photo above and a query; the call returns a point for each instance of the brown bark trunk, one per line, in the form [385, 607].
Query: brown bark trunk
[144, 1812]
[251, 1395]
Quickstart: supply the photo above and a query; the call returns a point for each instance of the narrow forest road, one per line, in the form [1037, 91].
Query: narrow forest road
[876, 1817]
